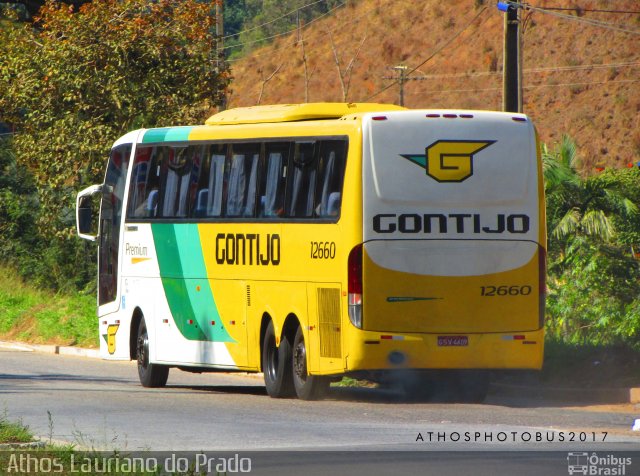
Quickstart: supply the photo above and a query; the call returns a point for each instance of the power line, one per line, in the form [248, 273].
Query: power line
[275, 50]
[285, 33]
[590, 10]
[447, 43]
[564, 16]
[532, 86]
[274, 20]
[586, 83]
[543, 69]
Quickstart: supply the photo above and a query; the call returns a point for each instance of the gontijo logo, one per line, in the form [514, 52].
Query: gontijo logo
[449, 160]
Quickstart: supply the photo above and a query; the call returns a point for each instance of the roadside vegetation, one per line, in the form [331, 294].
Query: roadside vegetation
[70, 83]
[590, 365]
[593, 272]
[21, 452]
[13, 432]
[42, 316]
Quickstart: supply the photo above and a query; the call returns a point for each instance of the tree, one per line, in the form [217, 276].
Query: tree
[582, 205]
[594, 281]
[266, 79]
[74, 81]
[346, 74]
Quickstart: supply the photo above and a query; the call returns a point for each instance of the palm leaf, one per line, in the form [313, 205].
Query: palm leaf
[595, 223]
[619, 201]
[569, 224]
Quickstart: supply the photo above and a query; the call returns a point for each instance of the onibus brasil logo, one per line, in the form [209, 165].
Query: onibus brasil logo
[595, 464]
[449, 160]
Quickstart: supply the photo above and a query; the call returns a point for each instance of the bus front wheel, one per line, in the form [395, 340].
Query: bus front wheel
[308, 387]
[151, 375]
[276, 365]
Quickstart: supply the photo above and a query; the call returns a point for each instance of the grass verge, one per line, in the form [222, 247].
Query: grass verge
[591, 365]
[68, 459]
[31, 315]
[352, 382]
[13, 432]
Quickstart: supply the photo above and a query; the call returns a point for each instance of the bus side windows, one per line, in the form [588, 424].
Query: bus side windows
[252, 188]
[272, 189]
[268, 180]
[302, 182]
[243, 171]
[208, 195]
[176, 181]
[330, 177]
[197, 154]
[216, 186]
[145, 183]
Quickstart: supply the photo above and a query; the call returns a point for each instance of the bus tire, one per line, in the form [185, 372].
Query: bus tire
[276, 365]
[150, 375]
[307, 387]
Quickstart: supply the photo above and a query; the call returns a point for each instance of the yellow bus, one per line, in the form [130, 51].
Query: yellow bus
[314, 241]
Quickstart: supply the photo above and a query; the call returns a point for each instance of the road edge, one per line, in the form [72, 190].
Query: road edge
[51, 349]
[581, 395]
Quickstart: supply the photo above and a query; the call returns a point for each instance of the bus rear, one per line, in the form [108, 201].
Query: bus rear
[451, 272]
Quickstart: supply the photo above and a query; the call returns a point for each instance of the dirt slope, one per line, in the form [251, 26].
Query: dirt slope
[579, 78]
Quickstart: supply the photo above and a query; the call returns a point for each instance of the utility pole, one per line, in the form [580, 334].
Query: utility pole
[402, 70]
[403, 78]
[512, 69]
[220, 46]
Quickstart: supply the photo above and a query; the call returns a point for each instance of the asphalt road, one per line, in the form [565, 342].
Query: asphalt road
[101, 405]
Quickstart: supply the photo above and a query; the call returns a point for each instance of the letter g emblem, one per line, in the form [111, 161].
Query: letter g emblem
[449, 160]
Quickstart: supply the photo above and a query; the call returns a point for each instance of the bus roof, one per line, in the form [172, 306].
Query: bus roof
[295, 112]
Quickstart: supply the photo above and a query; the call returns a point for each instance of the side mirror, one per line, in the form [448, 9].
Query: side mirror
[84, 212]
[85, 216]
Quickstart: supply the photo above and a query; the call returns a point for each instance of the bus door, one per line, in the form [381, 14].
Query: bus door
[111, 208]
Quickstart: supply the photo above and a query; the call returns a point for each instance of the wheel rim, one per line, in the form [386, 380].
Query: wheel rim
[300, 361]
[143, 350]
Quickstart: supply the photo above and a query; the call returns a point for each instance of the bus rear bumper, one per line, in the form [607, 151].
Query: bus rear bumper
[379, 350]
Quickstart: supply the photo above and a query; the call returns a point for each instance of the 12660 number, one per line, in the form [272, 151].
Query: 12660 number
[323, 250]
[490, 291]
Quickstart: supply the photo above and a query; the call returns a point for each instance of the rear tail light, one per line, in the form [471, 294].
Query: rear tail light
[355, 286]
[542, 284]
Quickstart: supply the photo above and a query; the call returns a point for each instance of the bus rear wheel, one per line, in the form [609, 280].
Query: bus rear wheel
[307, 387]
[150, 375]
[276, 365]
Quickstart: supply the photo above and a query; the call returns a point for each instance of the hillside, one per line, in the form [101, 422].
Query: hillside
[579, 78]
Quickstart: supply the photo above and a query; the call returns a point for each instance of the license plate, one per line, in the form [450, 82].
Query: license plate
[453, 341]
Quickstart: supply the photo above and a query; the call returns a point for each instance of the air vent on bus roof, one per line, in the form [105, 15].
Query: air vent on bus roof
[295, 112]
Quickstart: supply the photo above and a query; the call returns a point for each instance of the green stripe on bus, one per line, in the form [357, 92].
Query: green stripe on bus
[185, 283]
[167, 134]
